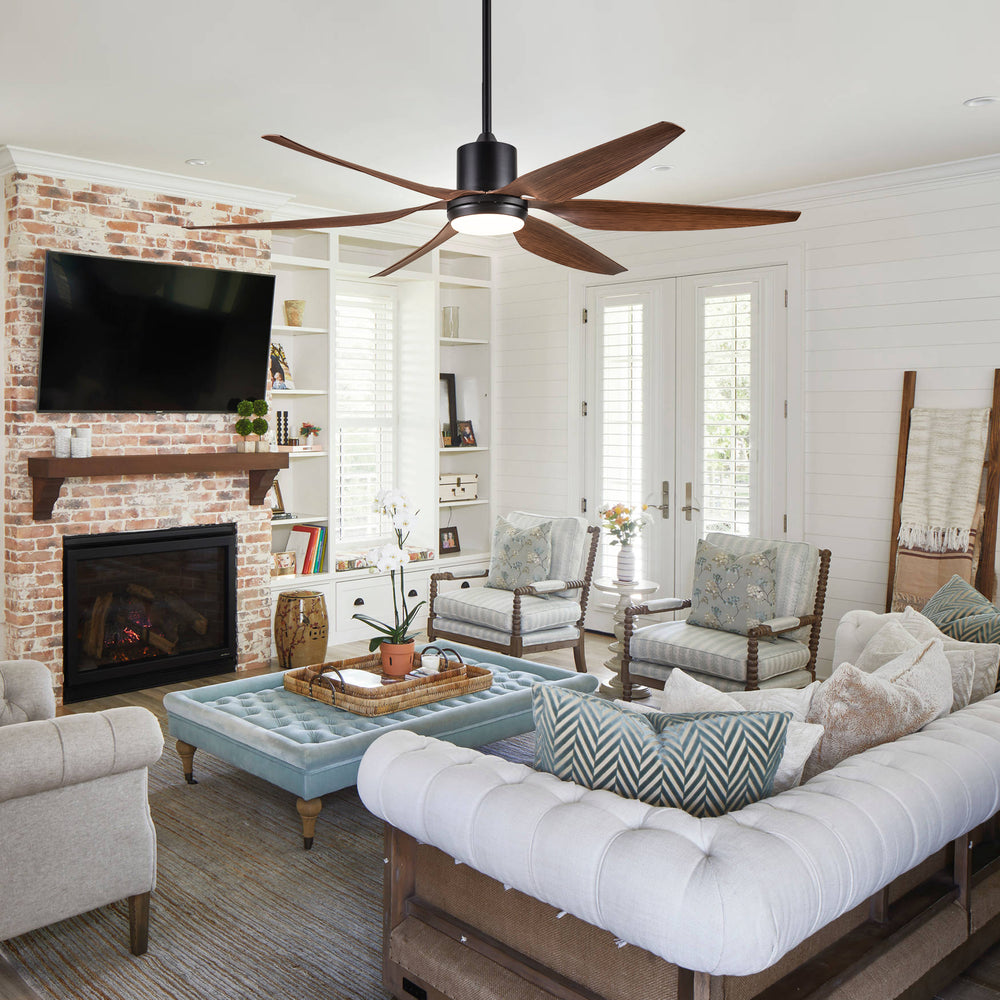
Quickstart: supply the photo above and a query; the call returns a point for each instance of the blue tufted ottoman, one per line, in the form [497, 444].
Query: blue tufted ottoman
[312, 749]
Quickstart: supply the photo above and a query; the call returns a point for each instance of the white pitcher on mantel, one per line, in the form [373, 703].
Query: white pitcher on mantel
[626, 564]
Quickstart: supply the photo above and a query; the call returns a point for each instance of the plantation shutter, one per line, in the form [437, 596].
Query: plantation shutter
[727, 389]
[365, 397]
[620, 373]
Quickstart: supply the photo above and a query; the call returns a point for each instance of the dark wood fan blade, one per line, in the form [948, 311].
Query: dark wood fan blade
[330, 221]
[641, 216]
[550, 242]
[585, 171]
[434, 192]
[443, 236]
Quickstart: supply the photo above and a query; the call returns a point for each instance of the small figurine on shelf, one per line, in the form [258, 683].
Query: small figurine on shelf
[308, 431]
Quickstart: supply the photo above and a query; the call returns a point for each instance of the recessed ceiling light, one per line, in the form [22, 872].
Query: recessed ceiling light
[661, 168]
[978, 102]
[196, 162]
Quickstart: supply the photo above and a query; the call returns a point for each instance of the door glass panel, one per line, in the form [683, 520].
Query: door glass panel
[727, 382]
[620, 373]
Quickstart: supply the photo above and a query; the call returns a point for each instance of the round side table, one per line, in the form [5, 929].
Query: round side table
[627, 592]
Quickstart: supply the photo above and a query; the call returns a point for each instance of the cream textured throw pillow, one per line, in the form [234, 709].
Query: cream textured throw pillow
[893, 638]
[985, 654]
[859, 711]
[683, 693]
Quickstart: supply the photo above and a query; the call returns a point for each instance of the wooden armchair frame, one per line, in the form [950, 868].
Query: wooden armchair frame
[754, 635]
[516, 647]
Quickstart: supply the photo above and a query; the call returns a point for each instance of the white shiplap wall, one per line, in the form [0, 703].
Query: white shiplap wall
[888, 273]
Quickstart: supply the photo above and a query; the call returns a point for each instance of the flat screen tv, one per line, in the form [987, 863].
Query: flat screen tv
[121, 336]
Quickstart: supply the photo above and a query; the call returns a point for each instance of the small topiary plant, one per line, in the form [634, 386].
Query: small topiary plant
[245, 423]
[260, 425]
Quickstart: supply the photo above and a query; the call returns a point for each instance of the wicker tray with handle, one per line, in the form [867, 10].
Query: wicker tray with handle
[322, 682]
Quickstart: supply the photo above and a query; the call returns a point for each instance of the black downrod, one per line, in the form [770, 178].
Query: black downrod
[487, 133]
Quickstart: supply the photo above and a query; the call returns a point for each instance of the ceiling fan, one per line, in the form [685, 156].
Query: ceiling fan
[490, 199]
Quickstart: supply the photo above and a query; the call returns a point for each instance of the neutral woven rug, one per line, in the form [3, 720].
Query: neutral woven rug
[240, 910]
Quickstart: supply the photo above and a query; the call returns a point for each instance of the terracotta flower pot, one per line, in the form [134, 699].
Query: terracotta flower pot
[397, 659]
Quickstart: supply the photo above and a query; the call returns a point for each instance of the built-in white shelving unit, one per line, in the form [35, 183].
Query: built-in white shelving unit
[309, 266]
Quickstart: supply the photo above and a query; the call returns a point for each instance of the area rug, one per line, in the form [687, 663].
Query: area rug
[240, 910]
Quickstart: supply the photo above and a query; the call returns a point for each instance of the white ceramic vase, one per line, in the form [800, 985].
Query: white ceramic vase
[626, 564]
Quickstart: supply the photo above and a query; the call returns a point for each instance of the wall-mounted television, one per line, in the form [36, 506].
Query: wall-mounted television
[123, 336]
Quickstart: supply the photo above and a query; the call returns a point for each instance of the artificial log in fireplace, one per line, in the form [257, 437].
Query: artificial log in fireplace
[147, 607]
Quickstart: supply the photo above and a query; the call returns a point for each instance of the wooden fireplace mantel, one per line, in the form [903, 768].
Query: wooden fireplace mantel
[47, 473]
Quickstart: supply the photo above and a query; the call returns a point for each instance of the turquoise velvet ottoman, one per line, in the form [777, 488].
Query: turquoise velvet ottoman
[311, 749]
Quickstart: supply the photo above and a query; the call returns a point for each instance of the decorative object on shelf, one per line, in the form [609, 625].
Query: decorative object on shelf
[624, 524]
[449, 322]
[260, 424]
[397, 659]
[294, 310]
[63, 436]
[466, 435]
[447, 411]
[490, 199]
[448, 540]
[274, 498]
[244, 425]
[455, 486]
[282, 564]
[307, 431]
[281, 429]
[301, 627]
[281, 370]
[79, 444]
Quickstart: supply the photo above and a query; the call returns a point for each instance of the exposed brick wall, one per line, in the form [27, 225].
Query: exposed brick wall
[48, 213]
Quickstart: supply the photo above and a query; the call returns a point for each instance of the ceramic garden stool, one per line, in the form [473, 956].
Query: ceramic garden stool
[301, 627]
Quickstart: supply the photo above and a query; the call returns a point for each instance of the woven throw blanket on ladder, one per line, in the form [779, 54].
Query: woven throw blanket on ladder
[942, 511]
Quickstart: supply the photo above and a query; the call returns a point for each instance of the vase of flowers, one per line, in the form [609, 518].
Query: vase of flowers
[624, 524]
[395, 641]
[307, 431]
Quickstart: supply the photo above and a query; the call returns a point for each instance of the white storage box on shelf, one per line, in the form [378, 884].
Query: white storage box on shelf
[458, 486]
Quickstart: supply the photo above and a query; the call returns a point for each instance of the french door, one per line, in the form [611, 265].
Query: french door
[685, 388]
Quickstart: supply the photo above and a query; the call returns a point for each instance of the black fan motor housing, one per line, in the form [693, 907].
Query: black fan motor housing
[486, 165]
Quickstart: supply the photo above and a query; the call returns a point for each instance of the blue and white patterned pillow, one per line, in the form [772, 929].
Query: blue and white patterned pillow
[732, 592]
[520, 556]
[705, 763]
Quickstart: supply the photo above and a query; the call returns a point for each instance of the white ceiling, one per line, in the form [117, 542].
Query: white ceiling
[772, 93]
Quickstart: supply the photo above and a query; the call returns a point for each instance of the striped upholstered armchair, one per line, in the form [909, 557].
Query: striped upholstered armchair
[548, 614]
[780, 652]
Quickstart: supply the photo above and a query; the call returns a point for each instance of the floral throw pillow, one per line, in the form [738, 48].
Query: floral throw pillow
[732, 592]
[520, 556]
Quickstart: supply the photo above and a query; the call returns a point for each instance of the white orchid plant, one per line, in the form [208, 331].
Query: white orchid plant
[392, 558]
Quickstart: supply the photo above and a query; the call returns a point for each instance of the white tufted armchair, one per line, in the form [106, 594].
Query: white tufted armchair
[75, 786]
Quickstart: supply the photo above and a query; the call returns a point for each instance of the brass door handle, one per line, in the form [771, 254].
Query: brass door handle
[663, 508]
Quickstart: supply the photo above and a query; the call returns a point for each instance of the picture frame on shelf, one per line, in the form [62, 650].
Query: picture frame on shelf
[282, 564]
[447, 410]
[448, 544]
[280, 376]
[466, 435]
[274, 498]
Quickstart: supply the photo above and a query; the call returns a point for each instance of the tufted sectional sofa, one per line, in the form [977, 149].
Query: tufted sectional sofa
[879, 878]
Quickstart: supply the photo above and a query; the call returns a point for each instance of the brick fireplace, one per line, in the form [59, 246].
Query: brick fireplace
[59, 213]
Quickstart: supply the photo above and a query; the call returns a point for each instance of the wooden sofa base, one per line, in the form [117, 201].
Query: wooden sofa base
[909, 940]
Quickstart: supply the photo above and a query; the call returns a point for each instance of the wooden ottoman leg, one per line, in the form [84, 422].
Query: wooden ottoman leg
[186, 753]
[308, 810]
[138, 923]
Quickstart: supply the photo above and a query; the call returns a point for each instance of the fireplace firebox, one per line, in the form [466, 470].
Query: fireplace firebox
[143, 608]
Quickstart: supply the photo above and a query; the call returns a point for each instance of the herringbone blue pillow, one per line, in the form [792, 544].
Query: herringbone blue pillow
[960, 611]
[706, 763]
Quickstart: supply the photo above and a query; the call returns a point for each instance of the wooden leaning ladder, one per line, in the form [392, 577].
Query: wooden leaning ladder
[986, 572]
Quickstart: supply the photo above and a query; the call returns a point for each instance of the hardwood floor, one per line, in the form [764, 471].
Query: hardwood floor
[981, 981]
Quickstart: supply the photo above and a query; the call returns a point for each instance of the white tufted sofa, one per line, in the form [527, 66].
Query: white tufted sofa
[712, 908]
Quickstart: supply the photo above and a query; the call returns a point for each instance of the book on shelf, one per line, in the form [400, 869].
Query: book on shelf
[308, 541]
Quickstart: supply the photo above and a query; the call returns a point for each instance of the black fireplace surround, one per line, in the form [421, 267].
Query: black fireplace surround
[144, 608]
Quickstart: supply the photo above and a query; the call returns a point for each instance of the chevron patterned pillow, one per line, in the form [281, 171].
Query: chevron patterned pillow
[956, 599]
[960, 611]
[705, 763]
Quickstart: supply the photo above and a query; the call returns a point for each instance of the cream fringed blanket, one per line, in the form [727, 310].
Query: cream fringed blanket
[944, 465]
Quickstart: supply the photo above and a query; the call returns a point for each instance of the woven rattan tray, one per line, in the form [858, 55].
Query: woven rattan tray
[320, 683]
